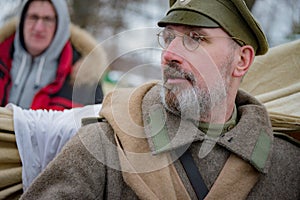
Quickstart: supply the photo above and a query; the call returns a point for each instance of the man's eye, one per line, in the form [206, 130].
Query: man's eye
[195, 36]
[168, 38]
[33, 17]
[48, 19]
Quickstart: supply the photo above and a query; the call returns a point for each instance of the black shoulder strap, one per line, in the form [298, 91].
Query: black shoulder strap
[90, 120]
[194, 175]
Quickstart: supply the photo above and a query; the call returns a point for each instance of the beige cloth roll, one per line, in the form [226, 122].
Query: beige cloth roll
[274, 79]
[10, 162]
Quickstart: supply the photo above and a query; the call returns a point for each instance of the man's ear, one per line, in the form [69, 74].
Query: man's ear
[246, 57]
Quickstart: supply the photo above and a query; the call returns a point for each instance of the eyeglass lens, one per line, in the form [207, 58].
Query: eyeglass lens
[47, 20]
[165, 37]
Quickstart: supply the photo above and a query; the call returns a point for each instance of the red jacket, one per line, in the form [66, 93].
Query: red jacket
[58, 95]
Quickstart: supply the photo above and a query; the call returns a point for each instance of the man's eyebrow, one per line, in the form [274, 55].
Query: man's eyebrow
[199, 30]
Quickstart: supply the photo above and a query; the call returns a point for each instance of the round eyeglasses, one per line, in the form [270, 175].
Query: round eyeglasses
[47, 21]
[190, 41]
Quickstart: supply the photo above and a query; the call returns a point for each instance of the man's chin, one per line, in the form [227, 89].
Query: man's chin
[181, 102]
[170, 100]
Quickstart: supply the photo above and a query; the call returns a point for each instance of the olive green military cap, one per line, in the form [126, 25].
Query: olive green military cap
[232, 15]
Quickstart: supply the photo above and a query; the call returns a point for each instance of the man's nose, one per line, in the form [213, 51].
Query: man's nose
[173, 51]
[39, 25]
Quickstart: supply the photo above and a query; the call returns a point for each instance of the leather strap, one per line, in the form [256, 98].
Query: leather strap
[194, 175]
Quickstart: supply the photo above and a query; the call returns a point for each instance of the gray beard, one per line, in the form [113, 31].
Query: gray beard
[193, 103]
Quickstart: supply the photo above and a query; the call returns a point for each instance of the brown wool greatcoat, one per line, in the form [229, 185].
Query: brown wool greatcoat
[89, 165]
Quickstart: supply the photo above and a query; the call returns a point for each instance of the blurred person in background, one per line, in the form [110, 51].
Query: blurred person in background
[46, 62]
[40, 60]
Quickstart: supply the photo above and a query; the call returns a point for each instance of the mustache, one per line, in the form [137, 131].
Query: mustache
[173, 70]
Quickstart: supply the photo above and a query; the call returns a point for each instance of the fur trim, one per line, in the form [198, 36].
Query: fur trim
[90, 68]
[77, 36]
[8, 29]
[87, 70]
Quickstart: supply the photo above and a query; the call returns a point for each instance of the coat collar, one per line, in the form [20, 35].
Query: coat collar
[251, 138]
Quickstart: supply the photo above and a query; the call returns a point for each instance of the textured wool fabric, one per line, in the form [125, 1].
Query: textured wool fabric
[236, 171]
[235, 181]
[88, 166]
[241, 140]
[80, 171]
[137, 163]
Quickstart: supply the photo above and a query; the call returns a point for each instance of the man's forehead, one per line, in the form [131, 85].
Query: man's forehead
[35, 6]
[202, 30]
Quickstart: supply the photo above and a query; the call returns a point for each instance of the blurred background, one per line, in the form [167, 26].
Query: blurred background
[104, 19]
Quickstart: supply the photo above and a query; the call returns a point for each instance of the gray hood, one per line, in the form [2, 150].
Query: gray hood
[30, 75]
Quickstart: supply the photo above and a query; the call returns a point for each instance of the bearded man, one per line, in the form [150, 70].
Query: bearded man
[194, 135]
